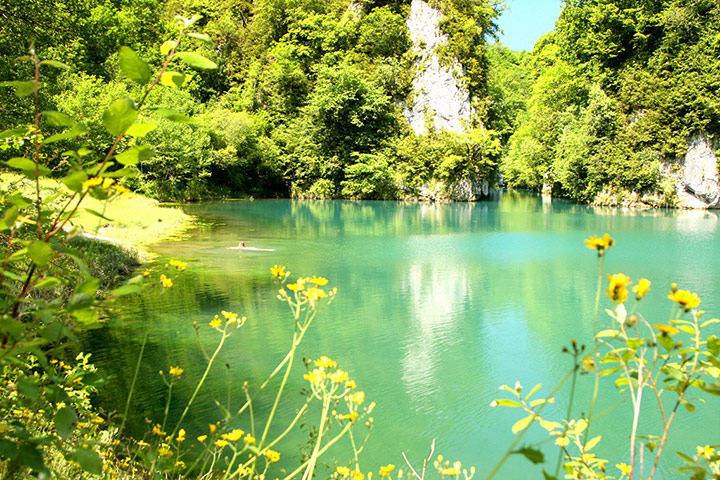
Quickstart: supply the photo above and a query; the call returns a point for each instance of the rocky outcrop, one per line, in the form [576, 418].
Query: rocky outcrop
[464, 190]
[439, 98]
[698, 186]
[696, 176]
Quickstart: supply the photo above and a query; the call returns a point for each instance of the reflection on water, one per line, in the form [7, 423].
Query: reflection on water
[438, 305]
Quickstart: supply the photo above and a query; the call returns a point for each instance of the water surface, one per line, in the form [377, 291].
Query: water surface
[438, 305]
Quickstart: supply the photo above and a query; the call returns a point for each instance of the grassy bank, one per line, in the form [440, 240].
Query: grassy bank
[134, 222]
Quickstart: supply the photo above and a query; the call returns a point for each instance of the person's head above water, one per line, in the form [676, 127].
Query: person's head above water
[241, 244]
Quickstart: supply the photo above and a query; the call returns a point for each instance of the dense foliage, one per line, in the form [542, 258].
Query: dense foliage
[308, 100]
[618, 90]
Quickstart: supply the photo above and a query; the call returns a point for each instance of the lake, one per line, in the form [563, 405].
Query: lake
[438, 305]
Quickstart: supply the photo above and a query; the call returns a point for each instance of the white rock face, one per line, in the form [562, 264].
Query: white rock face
[697, 180]
[437, 94]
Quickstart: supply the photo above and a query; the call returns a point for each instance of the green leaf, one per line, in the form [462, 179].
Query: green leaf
[55, 64]
[89, 286]
[201, 36]
[123, 172]
[666, 341]
[133, 66]
[79, 301]
[196, 60]
[120, 115]
[89, 460]
[591, 444]
[503, 402]
[534, 455]
[11, 132]
[98, 214]
[140, 129]
[77, 130]
[65, 420]
[136, 154]
[607, 333]
[522, 424]
[48, 282]
[547, 476]
[40, 252]
[57, 119]
[54, 332]
[8, 449]
[713, 388]
[31, 456]
[28, 388]
[174, 79]
[166, 47]
[533, 390]
[713, 345]
[173, 116]
[74, 180]
[22, 88]
[28, 167]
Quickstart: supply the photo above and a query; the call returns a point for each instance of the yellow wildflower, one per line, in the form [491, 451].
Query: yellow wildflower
[249, 439]
[357, 475]
[316, 376]
[107, 182]
[181, 436]
[272, 456]
[449, 471]
[202, 438]
[707, 451]
[319, 281]
[617, 290]
[164, 450]
[233, 436]
[315, 294]
[601, 244]
[338, 376]
[121, 190]
[344, 471]
[212, 428]
[142, 443]
[666, 329]
[216, 322]
[146, 273]
[357, 397]
[351, 384]
[351, 416]
[624, 468]
[176, 371]
[278, 270]
[325, 362]
[221, 443]
[166, 281]
[180, 464]
[157, 430]
[385, 471]
[98, 420]
[641, 288]
[245, 471]
[92, 182]
[178, 264]
[685, 299]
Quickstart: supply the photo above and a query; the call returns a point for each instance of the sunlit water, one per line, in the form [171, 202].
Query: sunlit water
[438, 305]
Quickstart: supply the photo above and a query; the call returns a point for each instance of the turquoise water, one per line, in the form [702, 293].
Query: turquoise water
[438, 305]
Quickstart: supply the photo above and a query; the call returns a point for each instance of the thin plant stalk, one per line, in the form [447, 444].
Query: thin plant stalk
[132, 385]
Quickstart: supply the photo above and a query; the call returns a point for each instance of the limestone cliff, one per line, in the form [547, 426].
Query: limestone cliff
[438, 92]
[696, 176]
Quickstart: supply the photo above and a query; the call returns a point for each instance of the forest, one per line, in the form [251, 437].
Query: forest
[307, 100]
